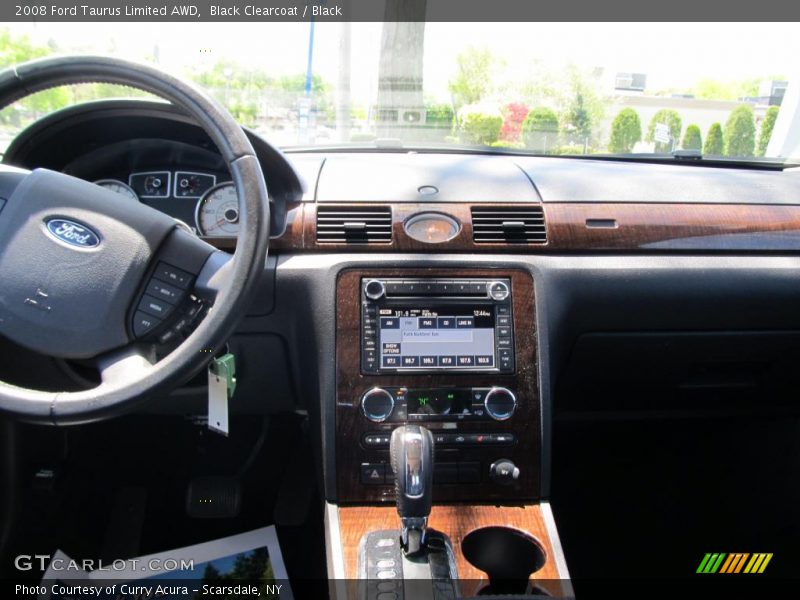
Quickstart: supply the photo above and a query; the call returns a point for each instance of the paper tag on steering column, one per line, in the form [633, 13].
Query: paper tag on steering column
[217, 401]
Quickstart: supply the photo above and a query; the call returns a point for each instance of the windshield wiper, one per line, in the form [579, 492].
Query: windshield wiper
[687, 154]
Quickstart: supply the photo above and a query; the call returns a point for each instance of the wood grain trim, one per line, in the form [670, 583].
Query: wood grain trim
[673, 227]
[456, 521]
[351, 384]
[638, 227]
[401, 242]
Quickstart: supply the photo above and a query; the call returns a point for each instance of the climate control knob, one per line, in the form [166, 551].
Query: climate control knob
[377, 404]
[500, 403]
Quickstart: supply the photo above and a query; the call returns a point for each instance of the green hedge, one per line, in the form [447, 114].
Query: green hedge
[766, 130]
[626, 130]
[740, 132]
[714, 145]
[672, 120]
[692, 138]
[480, 126]
[540, 129]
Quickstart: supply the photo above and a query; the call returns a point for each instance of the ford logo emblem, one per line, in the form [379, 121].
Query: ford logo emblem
[72, 233]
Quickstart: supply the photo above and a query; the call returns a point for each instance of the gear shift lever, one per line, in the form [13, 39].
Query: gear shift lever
[411, 452]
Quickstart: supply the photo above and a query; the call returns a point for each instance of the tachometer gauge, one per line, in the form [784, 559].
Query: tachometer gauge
[117, 186]
[217, 212]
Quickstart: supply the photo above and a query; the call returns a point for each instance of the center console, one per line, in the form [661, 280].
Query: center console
[453, 350]
[438, 437]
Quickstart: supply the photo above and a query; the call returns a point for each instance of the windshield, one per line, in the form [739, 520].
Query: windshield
[541, 88]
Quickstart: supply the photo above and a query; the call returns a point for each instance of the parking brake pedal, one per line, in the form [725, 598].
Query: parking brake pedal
[213, 498]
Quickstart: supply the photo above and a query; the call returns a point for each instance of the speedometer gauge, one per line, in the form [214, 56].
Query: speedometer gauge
[217, 212]
[117, 186]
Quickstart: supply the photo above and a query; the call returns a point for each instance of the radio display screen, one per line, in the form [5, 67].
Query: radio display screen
[436, 337]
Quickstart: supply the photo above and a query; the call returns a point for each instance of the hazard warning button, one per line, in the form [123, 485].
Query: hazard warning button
[373, 473]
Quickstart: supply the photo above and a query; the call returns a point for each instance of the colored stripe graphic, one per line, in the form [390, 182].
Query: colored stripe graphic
[711, 562]
[737, 562]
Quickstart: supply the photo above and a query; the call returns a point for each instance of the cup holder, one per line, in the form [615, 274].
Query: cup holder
[508, 556]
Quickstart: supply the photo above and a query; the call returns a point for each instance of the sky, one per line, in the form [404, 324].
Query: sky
[673, 55]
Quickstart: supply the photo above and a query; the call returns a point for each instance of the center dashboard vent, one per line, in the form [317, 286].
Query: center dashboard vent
[354, 225]
[510, 225]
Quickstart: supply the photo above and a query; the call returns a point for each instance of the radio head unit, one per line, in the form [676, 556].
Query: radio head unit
[434, 325]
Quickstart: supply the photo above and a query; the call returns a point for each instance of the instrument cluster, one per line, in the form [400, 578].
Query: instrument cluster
[208, 206]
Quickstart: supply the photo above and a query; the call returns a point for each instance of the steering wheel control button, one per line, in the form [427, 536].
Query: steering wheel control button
[504, 472]
[164, 291]
[144, 323]
[168, 273]
[377, 404]
[500, 403]
[154, 306]
[498, 290]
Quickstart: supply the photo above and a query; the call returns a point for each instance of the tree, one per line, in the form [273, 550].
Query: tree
[513, 117]
[714, 145]
[626, 130]
[672, 120]
[540, 129]
[400, 66]
[740, 132]
[473, 79]
[692, 138]
[766, 130]
[583, 106]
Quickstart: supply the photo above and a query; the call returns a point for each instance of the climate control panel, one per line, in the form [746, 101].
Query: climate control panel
[404, 404]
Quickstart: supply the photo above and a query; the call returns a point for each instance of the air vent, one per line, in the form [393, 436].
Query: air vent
[524, 225]
[354, 225]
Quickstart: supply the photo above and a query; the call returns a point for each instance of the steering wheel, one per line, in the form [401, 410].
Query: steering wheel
[85, 276]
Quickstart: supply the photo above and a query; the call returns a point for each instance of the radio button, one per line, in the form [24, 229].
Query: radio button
[374, 289]
[391, 361]
[447, 361]
[411, 361]
[498, 290]
[506, 358]
[466, 361]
